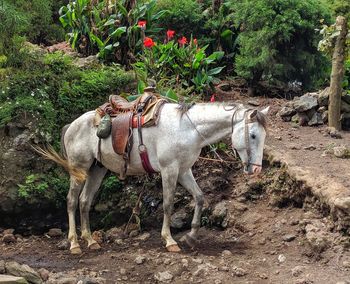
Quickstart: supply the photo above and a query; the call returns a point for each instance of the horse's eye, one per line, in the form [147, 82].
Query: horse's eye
[253, 136]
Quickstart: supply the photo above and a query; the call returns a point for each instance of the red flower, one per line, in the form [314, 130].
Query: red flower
[182, 41]
[148, 42]
[195, 41]
[212, 98]
[142, 24]
[170, 34]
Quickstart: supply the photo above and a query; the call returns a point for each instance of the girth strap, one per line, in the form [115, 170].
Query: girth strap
[142, 148]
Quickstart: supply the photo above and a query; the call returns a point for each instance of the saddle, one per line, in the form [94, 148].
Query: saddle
[125, 115]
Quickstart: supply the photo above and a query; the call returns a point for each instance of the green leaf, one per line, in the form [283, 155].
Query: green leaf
[140, 87]
[170, 94]
[118, 32]
[215, 71]
[109, 22]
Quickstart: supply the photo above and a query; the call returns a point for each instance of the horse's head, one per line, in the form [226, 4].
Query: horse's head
[248, 138]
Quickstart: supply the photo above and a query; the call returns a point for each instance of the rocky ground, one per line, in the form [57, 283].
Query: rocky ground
[271, 229]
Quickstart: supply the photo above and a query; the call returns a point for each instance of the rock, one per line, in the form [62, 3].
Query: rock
[226, 253]
[239, 272]
[281, 258]
[254, 103]
[140, 259]
[324, 116]
[133, 233]
[341, 152]
[143, 237]
[289, 237]
[98, 236]
[179, 219]
[219, 215]
[44, 273]
[300, 118]
[63, 245]
[224, 87]
[184, 262]
[333, 132]
[305, 103]
[24, 271]
[316, 120]
[55, 233]
[344, 107]
[8, 231]
[165, 276]
[345, 121]
[96, 280]
[311, 147]
[294, 147]
[83, 62]
[122, 271]
[63, 280]
[322, 109]
[115, 234]
[9, 238]
[316, 236]
[297, 271]
[323, 98]
[9, 279]
[346, 264]
[286, 112]
[2, 267]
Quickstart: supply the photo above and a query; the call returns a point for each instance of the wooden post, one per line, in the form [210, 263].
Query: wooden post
[337, 74]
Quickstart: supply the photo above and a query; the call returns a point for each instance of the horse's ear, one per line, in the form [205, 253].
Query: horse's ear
[253, 114]
[265, 110]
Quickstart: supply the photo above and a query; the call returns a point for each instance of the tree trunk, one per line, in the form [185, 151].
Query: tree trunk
[337, 74]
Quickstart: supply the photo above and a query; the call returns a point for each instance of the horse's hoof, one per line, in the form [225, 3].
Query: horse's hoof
[173, 248]
[191, 242]
[94, 246]
[76, 250]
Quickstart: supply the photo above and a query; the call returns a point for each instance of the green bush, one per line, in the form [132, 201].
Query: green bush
[55, 92]
[278, 41]
[184, 16]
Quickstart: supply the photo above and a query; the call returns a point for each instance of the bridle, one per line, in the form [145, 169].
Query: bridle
[247, 120]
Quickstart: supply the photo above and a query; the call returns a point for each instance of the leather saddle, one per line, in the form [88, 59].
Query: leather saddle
[143, 112]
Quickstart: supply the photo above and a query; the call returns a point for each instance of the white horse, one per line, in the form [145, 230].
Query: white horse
[174, 145]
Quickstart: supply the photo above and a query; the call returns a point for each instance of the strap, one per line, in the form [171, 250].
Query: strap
[146, 164]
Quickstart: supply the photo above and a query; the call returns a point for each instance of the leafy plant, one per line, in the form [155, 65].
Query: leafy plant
[179, 65]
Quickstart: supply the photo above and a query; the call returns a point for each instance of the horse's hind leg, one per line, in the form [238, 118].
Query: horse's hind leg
[187, 180]
[169, 180]
[72, 202]
[92, 184]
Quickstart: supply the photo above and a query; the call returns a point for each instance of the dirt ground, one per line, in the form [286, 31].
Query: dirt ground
[261, 244]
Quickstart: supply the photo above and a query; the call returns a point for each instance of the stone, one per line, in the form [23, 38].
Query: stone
[122, 271]
[9, 238]
[323, 98]
[316, 120]
[133, 233]
[179, 219]
[8, 231]
[311, 147]
[286, 112]
[9, 279]
[165, 276]
[316, 236]
[64, 280]
[55, 233]
[341, 151]
[239, 272]
[24, 271]
[143, 237]
[115, 234]
[44, 273]
[305, 103]
[297, 271]
[225, 87]
[98, 236]
[300, 118]
[281, 258]
[346, 263]
[322, 109]
[96, 280]
[289, 237]
[344, 107]
[2, 267]
[254, 103]
[345, 121]
[219, 215]
[63, 245]
[140, 259]
[84, 62]
[324, 116]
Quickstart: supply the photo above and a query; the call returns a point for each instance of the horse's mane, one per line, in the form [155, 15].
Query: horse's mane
[260, 117]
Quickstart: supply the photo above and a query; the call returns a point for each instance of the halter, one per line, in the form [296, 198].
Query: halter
[247, 120]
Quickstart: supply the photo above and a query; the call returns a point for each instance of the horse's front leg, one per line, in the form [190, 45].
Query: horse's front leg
[187, 180]
[169, 181]
[92, 184]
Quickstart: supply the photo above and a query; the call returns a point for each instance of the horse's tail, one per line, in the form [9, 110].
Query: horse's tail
[49, 153]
